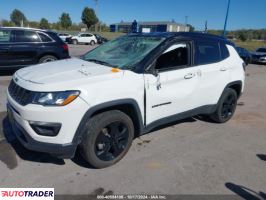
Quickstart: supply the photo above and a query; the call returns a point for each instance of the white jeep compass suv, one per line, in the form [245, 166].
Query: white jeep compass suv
[122, 89]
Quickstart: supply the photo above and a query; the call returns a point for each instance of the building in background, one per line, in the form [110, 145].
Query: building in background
[147, 27]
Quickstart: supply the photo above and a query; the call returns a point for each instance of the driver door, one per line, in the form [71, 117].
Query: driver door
[172, 90]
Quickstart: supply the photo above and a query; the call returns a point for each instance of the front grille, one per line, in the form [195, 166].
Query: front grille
[19, 94]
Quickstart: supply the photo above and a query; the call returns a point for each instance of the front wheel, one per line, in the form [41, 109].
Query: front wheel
[107, 139]
[226, 106]
[75, 42]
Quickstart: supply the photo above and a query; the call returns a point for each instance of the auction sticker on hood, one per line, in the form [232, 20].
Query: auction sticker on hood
[27, 193]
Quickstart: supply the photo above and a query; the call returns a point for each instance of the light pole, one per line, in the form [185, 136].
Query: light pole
[97, 14]
[186, 20]
[226, 17]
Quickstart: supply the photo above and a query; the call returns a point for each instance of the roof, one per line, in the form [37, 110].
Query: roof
[26, 28]
[193, 35]
[150, 23]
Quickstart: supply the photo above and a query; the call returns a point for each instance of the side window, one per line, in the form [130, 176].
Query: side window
[176, 56]
[4, 36]
[26, 36]
[83, 35]
[44, 37]
[224, 51]
[207, 52]
[89, 35]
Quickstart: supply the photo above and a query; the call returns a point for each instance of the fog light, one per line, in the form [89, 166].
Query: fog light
[46, 128]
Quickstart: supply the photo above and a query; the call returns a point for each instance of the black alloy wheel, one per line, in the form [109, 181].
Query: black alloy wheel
[111, 141]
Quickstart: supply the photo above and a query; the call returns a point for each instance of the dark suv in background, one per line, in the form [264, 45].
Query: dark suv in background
[21, 47]
[259, 56]
[244, 54]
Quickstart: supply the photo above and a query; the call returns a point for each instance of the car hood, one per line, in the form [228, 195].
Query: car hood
[67, 70]
[258, 53]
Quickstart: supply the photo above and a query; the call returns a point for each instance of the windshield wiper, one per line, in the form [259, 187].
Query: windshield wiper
[100, 62]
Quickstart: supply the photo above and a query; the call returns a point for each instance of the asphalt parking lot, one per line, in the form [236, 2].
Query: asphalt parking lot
[193, 156]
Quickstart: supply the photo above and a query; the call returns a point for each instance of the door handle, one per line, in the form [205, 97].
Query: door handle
[223, 69]
[189, 75]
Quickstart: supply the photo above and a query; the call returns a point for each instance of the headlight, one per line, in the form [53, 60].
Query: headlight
[55, 98]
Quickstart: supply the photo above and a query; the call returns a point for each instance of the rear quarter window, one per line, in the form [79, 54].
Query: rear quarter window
[44, 37]
[207, 52]
[224, 51]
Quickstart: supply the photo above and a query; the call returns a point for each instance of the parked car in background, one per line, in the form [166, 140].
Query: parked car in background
[244, 54]
[20, 47]
[84, 38]
[100, 39]
[259, 56]
[64, 36]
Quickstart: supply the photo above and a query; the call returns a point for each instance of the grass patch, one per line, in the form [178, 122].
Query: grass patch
[250, 45]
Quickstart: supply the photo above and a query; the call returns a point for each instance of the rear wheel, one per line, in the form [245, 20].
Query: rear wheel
[226, 106]
[108, 138]
[48, 58]
[92, 43]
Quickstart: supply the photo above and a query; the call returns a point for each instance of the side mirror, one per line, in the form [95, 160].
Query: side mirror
[155, 72]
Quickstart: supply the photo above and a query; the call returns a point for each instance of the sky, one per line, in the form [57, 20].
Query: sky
[243, 13]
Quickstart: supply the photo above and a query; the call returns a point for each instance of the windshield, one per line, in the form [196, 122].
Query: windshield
[263, 50]
[123, 52]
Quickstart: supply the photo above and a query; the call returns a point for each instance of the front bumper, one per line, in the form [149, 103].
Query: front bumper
[259, 60]
[64, 151]
[62, 145]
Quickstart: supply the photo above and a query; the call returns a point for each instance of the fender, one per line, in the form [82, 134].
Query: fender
[81, 128]
[229, 85]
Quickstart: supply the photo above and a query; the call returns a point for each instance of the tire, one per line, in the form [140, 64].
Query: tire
[101, 145]
[247, 61]
[48, 58]
[75, 42]
[92, 43]
[226, 106]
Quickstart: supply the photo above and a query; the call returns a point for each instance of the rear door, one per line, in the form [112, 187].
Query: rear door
[5, 37]
[211, 58]
[24, 50]
[83, 38]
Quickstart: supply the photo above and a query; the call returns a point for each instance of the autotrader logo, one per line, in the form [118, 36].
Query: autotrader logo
[26, 193]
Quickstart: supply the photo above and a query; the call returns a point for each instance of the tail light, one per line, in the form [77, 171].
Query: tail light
[65, 47]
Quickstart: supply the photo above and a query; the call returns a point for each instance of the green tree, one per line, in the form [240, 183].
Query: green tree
[89, 17]
[34, 24]
[65, 20]
[7, 23]
[191, 28]
[56, 26]
[44, 24]
[17, 17]
[215, 32]
[242, 36]
[104, 27]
